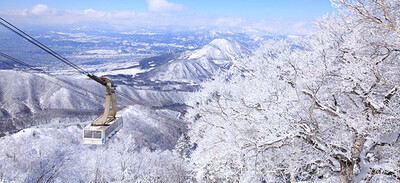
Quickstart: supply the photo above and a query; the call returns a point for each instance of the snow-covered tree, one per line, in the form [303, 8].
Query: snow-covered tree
[331, 107]
[356, 101]
[246, 120]
[45, 154]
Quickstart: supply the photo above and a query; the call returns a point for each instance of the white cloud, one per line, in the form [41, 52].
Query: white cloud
[41, 9]
[230, 22]
[91, 13]
[43, 15]
[163, 6]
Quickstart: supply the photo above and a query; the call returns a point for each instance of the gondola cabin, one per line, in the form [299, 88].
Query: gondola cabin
[100, 134]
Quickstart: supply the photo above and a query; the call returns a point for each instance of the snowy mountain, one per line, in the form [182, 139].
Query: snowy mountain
[183, 71]
[195, 66]
[35, 99]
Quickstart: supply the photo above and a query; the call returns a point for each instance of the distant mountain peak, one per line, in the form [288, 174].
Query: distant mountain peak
[221, 43]
[219, 49]
[197, 65]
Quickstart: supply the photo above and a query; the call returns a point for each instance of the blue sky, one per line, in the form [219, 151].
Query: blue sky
[271, 15]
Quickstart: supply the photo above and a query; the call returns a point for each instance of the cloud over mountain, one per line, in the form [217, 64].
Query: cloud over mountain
[161, 13]
[163, 6]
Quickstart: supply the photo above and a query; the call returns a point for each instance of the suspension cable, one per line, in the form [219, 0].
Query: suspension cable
[37, 43]
[44, 72]
[58, 84]
[62, 80]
